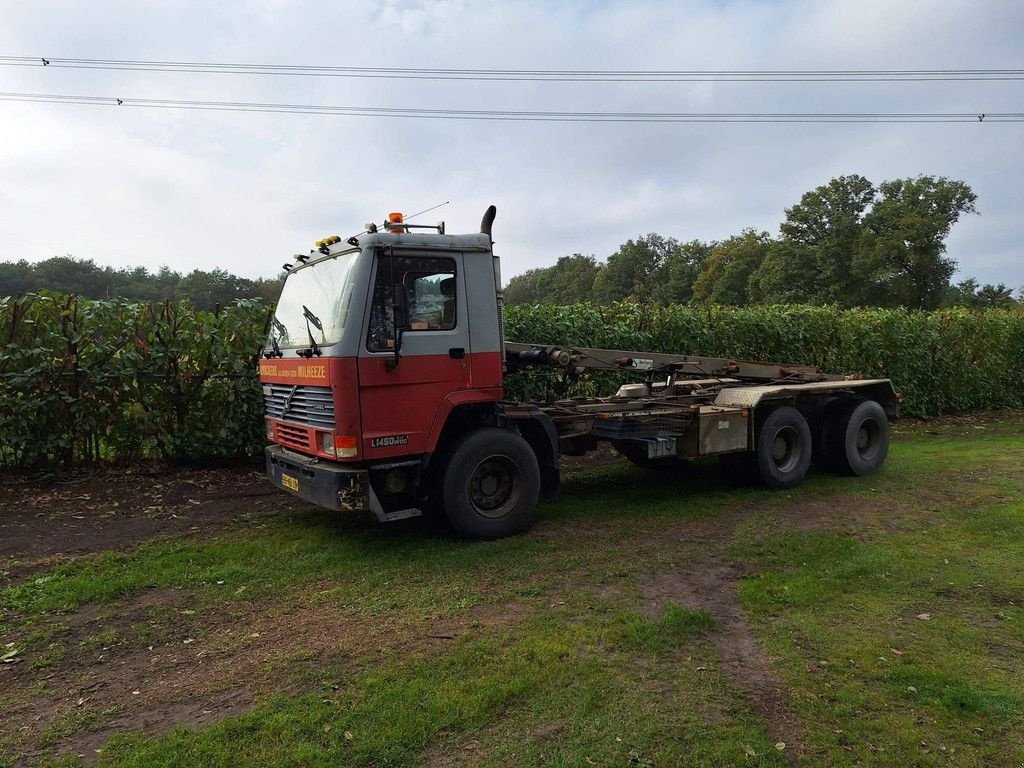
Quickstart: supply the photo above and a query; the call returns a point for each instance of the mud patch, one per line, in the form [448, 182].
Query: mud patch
[712, 586]
[196, 664]
[45, 522]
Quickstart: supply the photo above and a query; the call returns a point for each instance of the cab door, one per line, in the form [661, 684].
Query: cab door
[398, 402]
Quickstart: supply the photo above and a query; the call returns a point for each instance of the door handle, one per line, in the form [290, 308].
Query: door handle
[457, 353]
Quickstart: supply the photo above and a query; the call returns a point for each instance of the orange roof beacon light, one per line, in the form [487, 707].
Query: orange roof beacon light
[394, 221]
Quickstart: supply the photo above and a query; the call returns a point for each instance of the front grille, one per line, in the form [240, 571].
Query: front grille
[288, 434]
[312, 406]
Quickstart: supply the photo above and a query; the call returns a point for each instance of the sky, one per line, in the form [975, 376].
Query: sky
[243, 192]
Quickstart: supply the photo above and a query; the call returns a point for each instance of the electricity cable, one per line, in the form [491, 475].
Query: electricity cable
[521, 115]
[520, 75]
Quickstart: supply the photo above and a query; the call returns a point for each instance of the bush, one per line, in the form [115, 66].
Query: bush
[945, 361]
[122, 381]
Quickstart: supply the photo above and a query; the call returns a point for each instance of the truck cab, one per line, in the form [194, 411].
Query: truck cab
[377, 345]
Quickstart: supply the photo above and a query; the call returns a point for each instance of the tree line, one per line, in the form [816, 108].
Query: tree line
[848, 242]
[85, 278]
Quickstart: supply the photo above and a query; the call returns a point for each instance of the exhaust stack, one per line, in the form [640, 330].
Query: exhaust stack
[488, 220]
[485, 228]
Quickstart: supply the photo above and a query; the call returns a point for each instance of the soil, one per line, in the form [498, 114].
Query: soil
[711, 585]
[44, 522]
[206, 665]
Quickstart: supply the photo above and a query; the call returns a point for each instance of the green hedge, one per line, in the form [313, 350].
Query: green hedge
[945, 361]
[122, 381]
[119, 380]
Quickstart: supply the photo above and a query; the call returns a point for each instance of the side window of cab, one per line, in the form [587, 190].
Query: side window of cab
[429, 284]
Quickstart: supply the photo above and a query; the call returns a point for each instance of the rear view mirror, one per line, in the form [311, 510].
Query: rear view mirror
[400, 316]
[400, 303]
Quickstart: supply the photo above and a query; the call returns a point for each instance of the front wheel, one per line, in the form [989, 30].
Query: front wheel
[490, 485]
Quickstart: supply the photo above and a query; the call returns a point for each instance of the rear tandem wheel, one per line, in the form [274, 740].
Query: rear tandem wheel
[858, 438]
[781, 456]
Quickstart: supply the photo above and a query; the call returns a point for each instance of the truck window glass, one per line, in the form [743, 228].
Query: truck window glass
[430, 285]
[325, 288]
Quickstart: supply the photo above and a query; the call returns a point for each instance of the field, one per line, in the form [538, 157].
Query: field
[203, 618]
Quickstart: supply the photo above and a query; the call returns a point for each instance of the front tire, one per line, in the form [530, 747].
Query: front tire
[490, 485]
[783, 453]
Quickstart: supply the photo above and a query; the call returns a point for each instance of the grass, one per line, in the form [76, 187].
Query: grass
[910, 639]
[575, 673]
[891, 608]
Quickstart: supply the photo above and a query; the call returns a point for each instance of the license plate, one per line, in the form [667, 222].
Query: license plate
[290, 482]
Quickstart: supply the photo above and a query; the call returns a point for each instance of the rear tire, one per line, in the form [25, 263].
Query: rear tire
[490, 485]
[859, 439]
[783, 452]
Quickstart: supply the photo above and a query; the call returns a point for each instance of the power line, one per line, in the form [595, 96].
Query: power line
[521, 115]
[530, 75]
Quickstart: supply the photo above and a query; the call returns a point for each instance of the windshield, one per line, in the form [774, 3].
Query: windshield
[317, 298]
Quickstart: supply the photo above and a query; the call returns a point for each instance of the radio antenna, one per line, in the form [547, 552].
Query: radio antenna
[428, 210]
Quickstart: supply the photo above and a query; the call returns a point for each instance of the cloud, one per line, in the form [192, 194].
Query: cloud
[244, 191]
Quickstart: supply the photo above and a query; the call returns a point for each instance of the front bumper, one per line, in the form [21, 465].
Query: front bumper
[321, 482]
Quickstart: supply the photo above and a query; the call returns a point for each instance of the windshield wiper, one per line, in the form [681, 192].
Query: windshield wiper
[275, 347]
[313, 348]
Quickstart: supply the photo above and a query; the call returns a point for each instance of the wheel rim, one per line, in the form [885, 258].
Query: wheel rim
[495, 486]
[869, 439]
[786, 449]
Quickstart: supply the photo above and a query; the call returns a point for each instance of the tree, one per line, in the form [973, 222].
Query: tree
[967, 293]
[813, 260]
[903, 264]
[522, 289]
[66, 274]
[571, 280]
[627, 275]
[218, 287]
[673, 280]
[15, 277]
[995, 296]
[568, 281]
[725, 276]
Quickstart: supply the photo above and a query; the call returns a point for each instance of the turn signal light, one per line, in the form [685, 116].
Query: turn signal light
[346, 446]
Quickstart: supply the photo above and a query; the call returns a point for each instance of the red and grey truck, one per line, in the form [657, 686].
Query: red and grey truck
[383, 377]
